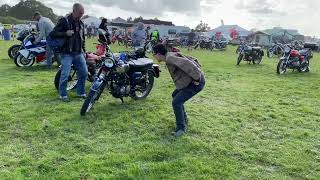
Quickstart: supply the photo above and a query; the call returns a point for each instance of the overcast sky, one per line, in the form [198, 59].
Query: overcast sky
[295, 14]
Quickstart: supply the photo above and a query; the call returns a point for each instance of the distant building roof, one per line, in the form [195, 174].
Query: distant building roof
[226, 30]
[89, 20]
[280, 30]
[157, 22]
[119, 20]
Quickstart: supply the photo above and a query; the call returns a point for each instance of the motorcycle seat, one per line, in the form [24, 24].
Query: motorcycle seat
[141, 63]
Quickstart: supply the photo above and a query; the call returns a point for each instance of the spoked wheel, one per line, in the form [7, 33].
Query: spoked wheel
[144, 88]
[239, 59]
[258, 60]
[72, 80]
[21, 61]
[93, 96]
[282, 67]
[13, 51]
[305, 68]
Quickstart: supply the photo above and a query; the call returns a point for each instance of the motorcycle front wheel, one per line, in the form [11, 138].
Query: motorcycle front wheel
[144, 88]
[240, 57]
[281, 68]
[92, 97]
[21, 61]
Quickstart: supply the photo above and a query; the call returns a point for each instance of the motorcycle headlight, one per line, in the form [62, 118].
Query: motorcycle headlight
[109, 63]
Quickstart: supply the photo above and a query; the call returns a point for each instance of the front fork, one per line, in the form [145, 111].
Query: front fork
[100, 81]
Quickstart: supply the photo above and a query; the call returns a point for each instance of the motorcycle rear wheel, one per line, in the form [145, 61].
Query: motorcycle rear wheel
[72, 81]
[13, 51]
[143, 93]
[305, 68]
[258, 60]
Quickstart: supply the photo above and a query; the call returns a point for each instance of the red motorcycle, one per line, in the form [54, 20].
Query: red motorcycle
[93, 60]
[295, 59]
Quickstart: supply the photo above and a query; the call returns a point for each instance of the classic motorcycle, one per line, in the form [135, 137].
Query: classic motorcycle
[205, 44]
[124, 75]
[220, 44]
[14, 49]
[250, 54]
[295, 59]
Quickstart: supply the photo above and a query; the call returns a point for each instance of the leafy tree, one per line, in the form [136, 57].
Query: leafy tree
[202, 27]
[129, 19]
[4, 10]
[25, 10]
[138, 19]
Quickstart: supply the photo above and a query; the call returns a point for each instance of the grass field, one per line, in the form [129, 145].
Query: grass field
[248, 123]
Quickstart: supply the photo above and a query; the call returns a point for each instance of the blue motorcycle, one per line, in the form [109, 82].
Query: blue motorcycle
[30, 53]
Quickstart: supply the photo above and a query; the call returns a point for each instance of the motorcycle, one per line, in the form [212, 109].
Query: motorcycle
[276, 49]
[250, 54]
[295, 59]
[30, 52]
[220, 44]
[205, 44]
[13, 50]
[124, 75]
[93, 61]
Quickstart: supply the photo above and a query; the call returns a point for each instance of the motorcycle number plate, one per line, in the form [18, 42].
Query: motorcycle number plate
[24, 53]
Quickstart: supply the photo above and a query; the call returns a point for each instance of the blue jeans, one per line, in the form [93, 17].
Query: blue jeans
[79, 63]
[49, 56]
[180, 96]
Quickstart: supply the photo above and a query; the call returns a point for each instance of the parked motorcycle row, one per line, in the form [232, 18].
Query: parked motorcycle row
[132, 74]
[292, 56]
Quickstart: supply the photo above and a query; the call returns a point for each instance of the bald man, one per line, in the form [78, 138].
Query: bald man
[71, 28]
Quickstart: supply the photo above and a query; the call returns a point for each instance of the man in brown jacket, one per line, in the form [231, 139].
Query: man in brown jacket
[189, 81]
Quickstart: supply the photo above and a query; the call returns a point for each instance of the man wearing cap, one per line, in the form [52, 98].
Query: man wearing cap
[45, 26]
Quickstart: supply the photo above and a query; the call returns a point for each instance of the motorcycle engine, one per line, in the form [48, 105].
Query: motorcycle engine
[295, 61]
[120, 86]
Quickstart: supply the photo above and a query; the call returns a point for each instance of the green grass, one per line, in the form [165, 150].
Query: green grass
[248, 123]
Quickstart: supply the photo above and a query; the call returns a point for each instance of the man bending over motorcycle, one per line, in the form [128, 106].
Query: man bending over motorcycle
[188, 78]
